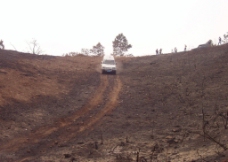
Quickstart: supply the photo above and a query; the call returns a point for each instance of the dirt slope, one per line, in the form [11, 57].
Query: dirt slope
[63, 109]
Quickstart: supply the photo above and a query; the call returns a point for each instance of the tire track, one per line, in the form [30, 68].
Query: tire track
[45, 131]
[109, 106]
[57, 132]
[91, 121]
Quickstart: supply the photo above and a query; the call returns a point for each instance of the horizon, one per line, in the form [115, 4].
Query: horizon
[68, 26]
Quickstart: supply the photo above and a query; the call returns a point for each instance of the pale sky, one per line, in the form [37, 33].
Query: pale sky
[63, 26]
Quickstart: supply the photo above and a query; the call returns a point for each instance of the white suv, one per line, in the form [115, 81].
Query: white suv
[108, 65]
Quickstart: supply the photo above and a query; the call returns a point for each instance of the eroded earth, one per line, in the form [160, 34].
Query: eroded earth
[171, 107]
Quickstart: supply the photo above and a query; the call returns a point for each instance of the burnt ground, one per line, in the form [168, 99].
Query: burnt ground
[171, 107]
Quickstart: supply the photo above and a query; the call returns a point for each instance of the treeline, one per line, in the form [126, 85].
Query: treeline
[120, 47]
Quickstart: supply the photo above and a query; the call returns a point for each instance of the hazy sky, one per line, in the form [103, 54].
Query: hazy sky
[62, 26]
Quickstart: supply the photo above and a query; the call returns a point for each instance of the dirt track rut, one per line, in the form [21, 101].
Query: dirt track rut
[105, 96]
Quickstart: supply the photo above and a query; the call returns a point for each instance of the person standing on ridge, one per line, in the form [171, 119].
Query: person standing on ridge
[1, 44]
[220, 41]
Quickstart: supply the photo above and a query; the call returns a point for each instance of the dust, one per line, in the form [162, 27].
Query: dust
[119, 66]
[98, 68]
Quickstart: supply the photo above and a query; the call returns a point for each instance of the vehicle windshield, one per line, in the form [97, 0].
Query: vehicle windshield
[110, 62]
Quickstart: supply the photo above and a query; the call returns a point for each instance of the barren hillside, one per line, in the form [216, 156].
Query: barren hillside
[170, 107]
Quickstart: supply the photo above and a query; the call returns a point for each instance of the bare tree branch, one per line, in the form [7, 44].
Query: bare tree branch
[34, 47]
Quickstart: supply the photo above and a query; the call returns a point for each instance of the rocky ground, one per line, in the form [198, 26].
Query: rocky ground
[161, 108]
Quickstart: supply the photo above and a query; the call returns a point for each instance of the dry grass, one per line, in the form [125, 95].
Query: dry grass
[158, 109]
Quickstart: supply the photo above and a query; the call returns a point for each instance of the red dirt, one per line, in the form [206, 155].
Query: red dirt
[64, 109]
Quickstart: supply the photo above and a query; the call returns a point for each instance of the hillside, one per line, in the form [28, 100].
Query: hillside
[170, 107]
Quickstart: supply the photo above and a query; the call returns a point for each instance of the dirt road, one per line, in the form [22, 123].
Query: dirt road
[38, 142]
[61, 109]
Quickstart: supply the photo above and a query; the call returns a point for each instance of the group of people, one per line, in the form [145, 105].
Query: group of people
[185, 46]
[158, 51]
[173, 50]
[2, 45]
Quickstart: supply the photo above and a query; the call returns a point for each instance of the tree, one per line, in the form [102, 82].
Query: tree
[34, 47]
[225, 38]
[120, 45]
[85, 51]
[71, 54]
[98, 49]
